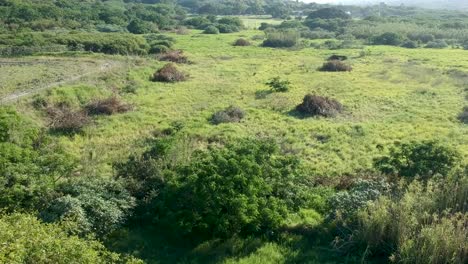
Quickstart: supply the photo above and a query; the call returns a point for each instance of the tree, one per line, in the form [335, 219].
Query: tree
[388, 38]
[329, 13]
[138, 26]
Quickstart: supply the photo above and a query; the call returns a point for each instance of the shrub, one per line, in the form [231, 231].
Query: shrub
[244, 188]
[66, 120]
[169, 73]
[231, 114]
[335, 66]
[337, 58]
[109, 106]
[242, 42]
[328, 13]
[409, 44]
[278, 85]
[438, 44]
[138, 26]
[389, 38]
[25, 239]
[463, 116]
[314, 105]
[424, 159]
[281, 39]
[227, 28]
[176, 56]
[211, 30]
[156, 49]
[95, 205]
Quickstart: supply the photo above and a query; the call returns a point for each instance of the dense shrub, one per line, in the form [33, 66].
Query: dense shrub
[328, 13]
[314, 105]
[388, 38]
[198, 22]
[223, 28]
[335, 66]
[64, 119]
[211, 30]
[424, 159]
[231, 114]
[278, 85]
[94, 205]
[281, 39]
[463, 116]
[438, 44]
[176, 56]
[109, 106]
[409, 44]
[242, 42]
[138, 26]
[24, 239]
[169, 73]
[244, 188]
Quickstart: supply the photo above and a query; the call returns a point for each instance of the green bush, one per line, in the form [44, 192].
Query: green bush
[424, 159]
[438, 44]
[244, 188]
[409, 44]
[388, 38]
[211, 30]
[281, 39]
[278, 85]
[328, 13]
[24, 239]
[231, 114]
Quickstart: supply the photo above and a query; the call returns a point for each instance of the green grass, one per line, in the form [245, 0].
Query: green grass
[392, 94]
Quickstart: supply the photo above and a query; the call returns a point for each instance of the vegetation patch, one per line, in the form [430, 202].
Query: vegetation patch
[463, 116]
[176, 56]
[242, 42]
[64, 119]
[170, 74]
[335, 66]
[281, 39]
[232, 114]
[108, 106]
[314, 105]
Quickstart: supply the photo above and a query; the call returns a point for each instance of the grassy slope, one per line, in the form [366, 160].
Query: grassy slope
[392, 94]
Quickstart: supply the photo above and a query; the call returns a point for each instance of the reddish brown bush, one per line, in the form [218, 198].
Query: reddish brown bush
[337, 57]
[242, 42]
[109, 106]
[169, 73]
[176, 56]
[335, 66]
[314, 105]
[64, 119]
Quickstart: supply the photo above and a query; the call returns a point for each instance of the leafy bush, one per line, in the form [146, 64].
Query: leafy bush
[438, 44]
[231, 114]
[409, 44]
[281, 39]
[335, 66]
[278, 85]
[242, 42]
[24, 239]
[169, 73]
[328, 13]
[314, 105]
[95, 205]
[424, 159]
[223, 28]
[138, 26]
[176, 56]
[198, 22]
[463, 116]
[243, 188]
[109, 106]
[66, 120]
[211, 30]
[388, 38]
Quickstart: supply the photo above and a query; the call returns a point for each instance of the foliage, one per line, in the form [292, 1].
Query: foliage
[64, 119]
[138, 26]
[176, 56]
[169, 73]
[278, 85]
[314, 105]
[328, 13]
[26, 240]
[438, 44]
[242, 42]
[211, 30]
[409, 44]
[463, 116]
[281, 39]
[232, 114]
[424, 159]
[95, 205]
[243, 188]
[335, 66]
[388, 38]
[30, 163]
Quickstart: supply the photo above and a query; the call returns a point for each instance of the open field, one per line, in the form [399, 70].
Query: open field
[392, 94]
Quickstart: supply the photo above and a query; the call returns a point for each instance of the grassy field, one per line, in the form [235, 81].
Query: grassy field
[392, 94]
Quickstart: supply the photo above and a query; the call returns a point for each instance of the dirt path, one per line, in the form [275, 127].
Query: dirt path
[103, 68]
